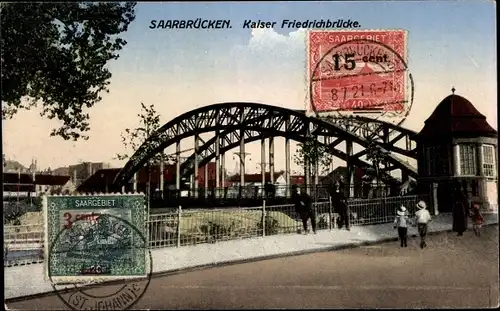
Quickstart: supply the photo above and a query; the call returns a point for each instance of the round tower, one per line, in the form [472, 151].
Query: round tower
[457, 144]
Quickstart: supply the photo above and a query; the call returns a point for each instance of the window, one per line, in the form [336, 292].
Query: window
[437, 160]
[467, 159]
[489, 161]
[430, 160]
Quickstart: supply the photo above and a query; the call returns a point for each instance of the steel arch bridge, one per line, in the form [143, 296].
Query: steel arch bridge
[254, 121]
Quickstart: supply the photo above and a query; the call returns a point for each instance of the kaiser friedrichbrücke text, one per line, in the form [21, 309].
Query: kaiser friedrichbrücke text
[200, 23]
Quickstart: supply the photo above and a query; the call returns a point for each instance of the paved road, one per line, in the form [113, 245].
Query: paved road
[455, 272]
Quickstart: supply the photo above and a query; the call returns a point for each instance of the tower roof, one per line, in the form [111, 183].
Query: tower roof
[455, 116]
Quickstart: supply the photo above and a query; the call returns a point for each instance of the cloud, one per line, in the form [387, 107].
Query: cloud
[271, 51]
[268, 40]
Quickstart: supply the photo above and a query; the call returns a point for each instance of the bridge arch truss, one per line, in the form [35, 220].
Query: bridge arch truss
[235, 124]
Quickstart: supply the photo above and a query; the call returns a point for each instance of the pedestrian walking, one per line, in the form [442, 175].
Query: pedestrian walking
[460, 210]
[401, 223]
[422, 219]
[477, 219]
[341, 207]
[303, 207]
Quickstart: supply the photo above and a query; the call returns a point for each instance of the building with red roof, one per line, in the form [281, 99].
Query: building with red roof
[24, 185]
[455, 147]
[102, 180]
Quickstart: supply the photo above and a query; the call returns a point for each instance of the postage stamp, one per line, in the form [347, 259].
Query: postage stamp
[352, 72]
[94, 238]
[121, 296]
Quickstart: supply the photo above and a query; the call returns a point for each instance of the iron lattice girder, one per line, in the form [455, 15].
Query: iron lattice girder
[227, 117]
[257, 133]
[230, 137]
[385, 134]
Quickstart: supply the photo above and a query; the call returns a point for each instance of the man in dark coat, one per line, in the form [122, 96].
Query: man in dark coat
[340, 207]
[460, 210]
[303, 207]
[341, 185]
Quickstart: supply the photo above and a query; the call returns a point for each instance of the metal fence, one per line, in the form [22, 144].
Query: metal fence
[191, 227]
[269, 191]
[23, 244]
[379, 211]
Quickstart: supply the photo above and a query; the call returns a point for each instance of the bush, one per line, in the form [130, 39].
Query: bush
[322, 222]
[216, 231]
[271, 225]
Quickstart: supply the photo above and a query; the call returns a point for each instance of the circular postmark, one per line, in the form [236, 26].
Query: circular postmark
[95, 250]
[359, 75]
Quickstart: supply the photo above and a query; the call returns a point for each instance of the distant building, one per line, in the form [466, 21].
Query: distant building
[80, 172]
[255, 180]
[22, 185]
[360, 187]
[17, 186]
[457, 144]
[297, 180]
[53, 184]
[102, 180]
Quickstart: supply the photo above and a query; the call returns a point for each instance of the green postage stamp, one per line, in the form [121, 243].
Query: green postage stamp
[95, 238]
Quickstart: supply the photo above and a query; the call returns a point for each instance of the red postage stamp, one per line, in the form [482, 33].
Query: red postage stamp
[357, 71]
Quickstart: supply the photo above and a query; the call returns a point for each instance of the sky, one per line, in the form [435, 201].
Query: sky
[450, 43]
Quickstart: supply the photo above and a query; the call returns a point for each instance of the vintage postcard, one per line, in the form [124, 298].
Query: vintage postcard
[253, 155]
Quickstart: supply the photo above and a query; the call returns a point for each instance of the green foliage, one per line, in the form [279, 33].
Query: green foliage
[38, 204]
[149, 122]
[322, 222]
[376, 155]
[12, 213]
[314, 152]
[271, 225]
[55, 54]
[217, 230]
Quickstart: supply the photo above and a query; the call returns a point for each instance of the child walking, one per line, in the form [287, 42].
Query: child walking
[401, 223]
[422, 217]
[477, 219]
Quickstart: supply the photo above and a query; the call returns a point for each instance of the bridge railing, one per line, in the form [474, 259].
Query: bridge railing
[184, 227]
[253, 195]
[381, 210]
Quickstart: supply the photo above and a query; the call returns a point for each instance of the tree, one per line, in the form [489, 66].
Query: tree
[316, 154]
[149, 122]
[55, 55]
[376, 155]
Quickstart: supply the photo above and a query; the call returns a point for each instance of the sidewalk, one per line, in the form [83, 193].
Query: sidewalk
[29, 280]
[237, 251]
